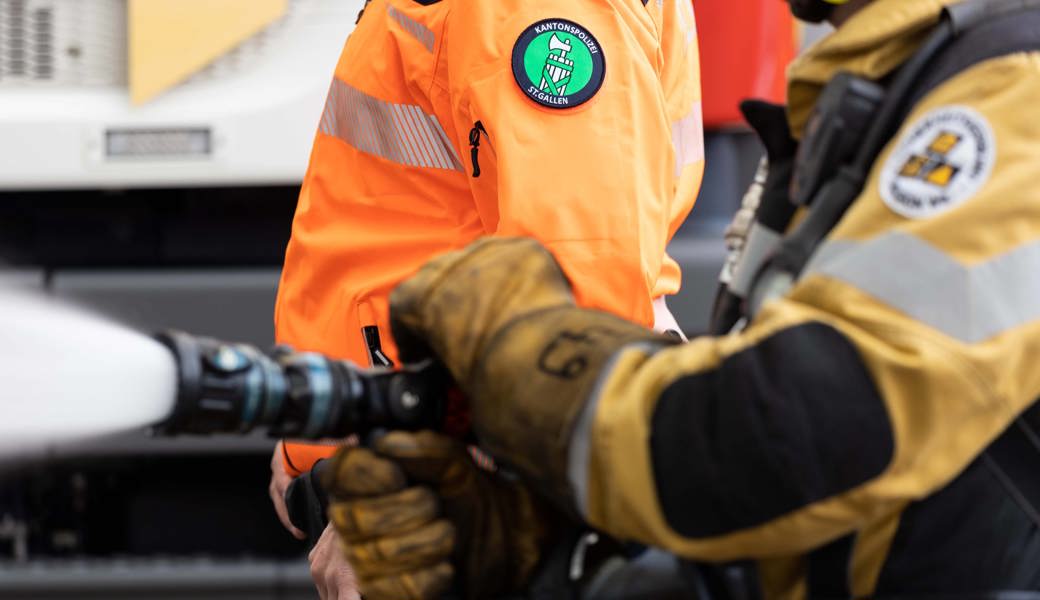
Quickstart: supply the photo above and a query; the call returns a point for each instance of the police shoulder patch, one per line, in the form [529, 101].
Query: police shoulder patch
[943, 159]
[558, 63]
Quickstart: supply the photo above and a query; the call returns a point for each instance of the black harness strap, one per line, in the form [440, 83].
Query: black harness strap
[1014, 459]
[1001, 35]
[827, 569]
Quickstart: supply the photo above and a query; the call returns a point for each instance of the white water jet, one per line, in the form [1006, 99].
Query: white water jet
[68, 375]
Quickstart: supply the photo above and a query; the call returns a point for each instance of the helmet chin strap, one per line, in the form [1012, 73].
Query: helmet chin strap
[814, 11]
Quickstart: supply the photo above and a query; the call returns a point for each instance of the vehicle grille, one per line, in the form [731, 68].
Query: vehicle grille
[84, 43]
[71, 42]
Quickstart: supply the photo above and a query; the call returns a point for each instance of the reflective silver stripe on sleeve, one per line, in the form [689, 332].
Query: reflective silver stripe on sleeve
[579, 450]
[967, 303]
[761, 244]
[401, 133]
[415, 28]
[426, 139]
[828, 252]
[408, 127]
[688, 138]
[689, 22]
[325, 126]
[445, 143]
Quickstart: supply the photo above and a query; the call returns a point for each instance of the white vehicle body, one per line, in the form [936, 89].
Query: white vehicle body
[247, 119]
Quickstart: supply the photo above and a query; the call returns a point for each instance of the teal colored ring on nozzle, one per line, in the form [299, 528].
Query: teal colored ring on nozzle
[275, 389]
[254, 386]
[321, 393]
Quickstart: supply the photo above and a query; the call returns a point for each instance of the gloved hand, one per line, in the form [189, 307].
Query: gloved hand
[490, 282]
[500, 316]
[400, 539]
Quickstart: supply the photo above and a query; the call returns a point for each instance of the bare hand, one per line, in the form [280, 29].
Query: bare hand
[280, 481]
[330, 570]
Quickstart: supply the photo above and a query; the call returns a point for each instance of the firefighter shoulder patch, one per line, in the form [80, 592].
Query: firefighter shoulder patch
[558, 63]
[943, 159]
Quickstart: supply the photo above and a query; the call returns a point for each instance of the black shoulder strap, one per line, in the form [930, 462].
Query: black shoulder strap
[1000, 35]
[1014, 460]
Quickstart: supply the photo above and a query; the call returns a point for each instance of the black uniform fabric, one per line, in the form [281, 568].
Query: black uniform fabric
[786, 423]
[969, 537]
[827, 569]
[308, 502]
[1015, 31]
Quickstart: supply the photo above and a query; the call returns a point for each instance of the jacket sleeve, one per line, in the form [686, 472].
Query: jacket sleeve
[601, 183]
[902, 352]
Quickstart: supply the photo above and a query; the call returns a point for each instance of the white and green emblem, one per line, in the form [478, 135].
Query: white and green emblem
[558, 63]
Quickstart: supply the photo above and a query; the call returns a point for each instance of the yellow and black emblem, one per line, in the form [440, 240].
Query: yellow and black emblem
[941, 160]
[932, 166]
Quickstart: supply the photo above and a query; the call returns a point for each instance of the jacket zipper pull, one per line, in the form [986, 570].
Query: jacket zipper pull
[474, 146]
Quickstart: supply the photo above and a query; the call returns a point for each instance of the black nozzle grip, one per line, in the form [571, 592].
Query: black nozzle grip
[410, 399]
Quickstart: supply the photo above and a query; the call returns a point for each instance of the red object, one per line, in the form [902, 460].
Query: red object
[745, 48]
[457, 418]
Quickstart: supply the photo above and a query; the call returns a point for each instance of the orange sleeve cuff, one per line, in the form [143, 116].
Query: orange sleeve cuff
[299, 457]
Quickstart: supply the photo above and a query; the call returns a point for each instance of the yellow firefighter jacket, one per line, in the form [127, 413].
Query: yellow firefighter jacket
[850, 415]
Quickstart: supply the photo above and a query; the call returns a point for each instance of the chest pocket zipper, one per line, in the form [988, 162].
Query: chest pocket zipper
[375, 347]
[474, 145]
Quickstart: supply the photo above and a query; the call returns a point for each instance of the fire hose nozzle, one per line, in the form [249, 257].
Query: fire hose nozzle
[226, 387]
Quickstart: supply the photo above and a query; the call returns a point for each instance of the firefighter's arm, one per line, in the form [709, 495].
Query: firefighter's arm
[765, 444]
[570, 137]
[900, 355]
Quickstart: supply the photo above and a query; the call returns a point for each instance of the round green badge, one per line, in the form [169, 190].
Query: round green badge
[558, 63]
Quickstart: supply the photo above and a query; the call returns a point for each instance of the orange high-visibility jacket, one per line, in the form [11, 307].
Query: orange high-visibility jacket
[577, 123]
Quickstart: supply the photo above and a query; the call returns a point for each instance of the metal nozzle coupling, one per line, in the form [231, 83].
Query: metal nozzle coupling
[233, 388]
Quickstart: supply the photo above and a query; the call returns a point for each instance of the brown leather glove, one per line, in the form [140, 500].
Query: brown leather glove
[501, 317]
[392, 534]
[399, 538]
[450, 308]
